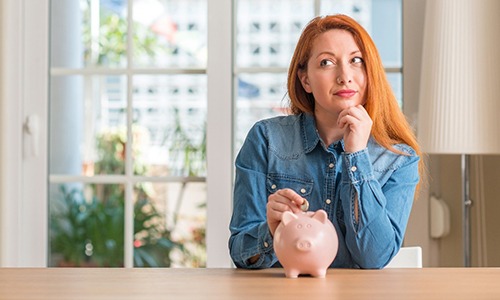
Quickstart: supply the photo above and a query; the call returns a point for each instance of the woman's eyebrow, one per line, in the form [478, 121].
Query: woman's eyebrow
[333, 54]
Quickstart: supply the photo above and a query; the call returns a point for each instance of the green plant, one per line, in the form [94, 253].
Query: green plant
[91, 233]
[152, 242]
[184, 148]
[112, 39]
[87, 222]
[89, 230]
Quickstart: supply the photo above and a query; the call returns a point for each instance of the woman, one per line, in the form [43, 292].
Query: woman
[346, 148]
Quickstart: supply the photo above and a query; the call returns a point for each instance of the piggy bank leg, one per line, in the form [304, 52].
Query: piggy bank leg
[292, 273]
[320, 273]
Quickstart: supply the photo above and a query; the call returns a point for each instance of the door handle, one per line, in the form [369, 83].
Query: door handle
[32, 129]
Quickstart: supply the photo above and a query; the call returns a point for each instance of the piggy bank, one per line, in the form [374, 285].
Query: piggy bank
[305, 243]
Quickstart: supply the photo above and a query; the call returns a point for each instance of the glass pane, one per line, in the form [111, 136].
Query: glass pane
[268, 30]
[104, 32]
[170, 222]
[87, 125]
[260, 96]
[67, 33]
[86, 225]
[381, 18]
[170, 125]
[396, 81]
[170, 33]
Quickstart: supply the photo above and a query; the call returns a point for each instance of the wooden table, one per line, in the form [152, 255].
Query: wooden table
[149, 284]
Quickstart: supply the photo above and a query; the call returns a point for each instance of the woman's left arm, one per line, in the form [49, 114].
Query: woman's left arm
[376, 215]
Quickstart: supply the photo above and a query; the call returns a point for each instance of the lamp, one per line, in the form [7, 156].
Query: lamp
[459, 109]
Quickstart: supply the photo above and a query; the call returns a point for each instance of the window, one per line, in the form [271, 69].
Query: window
[128, 140]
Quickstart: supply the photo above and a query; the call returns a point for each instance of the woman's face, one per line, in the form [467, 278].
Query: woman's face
[336, 74]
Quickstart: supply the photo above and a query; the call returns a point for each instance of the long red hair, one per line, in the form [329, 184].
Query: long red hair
[390, 126]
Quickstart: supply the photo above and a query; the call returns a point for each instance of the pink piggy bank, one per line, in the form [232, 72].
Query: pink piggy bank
[305, 243]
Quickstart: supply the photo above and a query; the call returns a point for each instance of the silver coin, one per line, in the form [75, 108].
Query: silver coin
[305, 205]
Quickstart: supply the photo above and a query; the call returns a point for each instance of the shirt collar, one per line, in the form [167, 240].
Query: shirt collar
[310, 134]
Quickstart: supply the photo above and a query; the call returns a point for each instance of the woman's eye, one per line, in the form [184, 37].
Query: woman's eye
[325, 62]
[357, 60]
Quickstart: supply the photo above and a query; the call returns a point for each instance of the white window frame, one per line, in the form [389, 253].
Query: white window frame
[24, 81]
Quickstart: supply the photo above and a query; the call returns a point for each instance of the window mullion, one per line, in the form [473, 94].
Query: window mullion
[129, 173]
[219, 131]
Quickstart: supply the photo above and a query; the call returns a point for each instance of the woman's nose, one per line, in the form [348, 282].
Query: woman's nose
[342, 80]
[343, 76]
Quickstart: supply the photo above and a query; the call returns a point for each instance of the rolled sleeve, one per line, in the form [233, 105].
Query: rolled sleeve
[261, 244]
[250, 234]
[383, 210]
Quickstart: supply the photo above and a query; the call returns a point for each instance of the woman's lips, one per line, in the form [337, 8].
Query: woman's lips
[345, 93]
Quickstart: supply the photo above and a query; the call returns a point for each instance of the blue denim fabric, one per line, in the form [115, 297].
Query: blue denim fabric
[287, 152]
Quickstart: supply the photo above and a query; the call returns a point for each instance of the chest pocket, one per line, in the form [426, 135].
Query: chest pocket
[301, 186]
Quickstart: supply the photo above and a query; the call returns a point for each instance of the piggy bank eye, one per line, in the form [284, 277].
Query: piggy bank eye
[299, 226]
[308, 226]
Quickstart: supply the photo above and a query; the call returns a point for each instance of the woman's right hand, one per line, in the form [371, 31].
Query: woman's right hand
[279, 202]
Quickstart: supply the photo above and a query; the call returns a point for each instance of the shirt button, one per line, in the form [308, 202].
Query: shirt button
[266, 244]
[303, 191]
[353, 168]
[331, 165]
[328, 201]
[273, 186]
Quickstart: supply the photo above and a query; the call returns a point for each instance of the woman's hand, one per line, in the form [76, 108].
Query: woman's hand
[279, 202]
[358, 125]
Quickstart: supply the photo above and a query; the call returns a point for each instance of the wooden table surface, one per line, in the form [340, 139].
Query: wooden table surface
[165, 283]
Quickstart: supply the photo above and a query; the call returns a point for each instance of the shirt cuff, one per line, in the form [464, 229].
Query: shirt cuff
[358, 166]
[266, 242]
[265, 246]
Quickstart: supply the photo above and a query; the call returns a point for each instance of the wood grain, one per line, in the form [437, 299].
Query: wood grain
[164, 283]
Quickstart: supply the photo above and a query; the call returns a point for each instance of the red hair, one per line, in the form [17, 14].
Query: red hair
[390, 126]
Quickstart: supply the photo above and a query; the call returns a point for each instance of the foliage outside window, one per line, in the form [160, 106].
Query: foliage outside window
[87, 220]
[87, 225]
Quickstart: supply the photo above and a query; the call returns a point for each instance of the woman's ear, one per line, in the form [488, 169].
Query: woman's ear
[304, 80]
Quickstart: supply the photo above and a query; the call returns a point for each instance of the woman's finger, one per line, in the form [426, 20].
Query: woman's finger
[291, 198]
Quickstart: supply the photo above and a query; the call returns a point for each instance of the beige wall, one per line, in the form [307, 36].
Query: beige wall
[2, 142]
[485, 196]
[491, 184]
[418, 230]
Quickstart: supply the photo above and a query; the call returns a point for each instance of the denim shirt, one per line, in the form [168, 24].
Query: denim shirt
[287, 152]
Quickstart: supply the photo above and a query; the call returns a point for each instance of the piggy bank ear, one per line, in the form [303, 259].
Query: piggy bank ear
[320, 215]
[288, 217]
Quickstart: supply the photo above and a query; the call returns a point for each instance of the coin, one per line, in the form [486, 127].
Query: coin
[305, 205]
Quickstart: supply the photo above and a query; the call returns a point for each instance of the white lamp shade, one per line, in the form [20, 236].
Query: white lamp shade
[459, 109]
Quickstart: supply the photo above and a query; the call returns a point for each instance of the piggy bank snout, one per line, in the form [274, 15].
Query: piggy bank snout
[304, 245]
